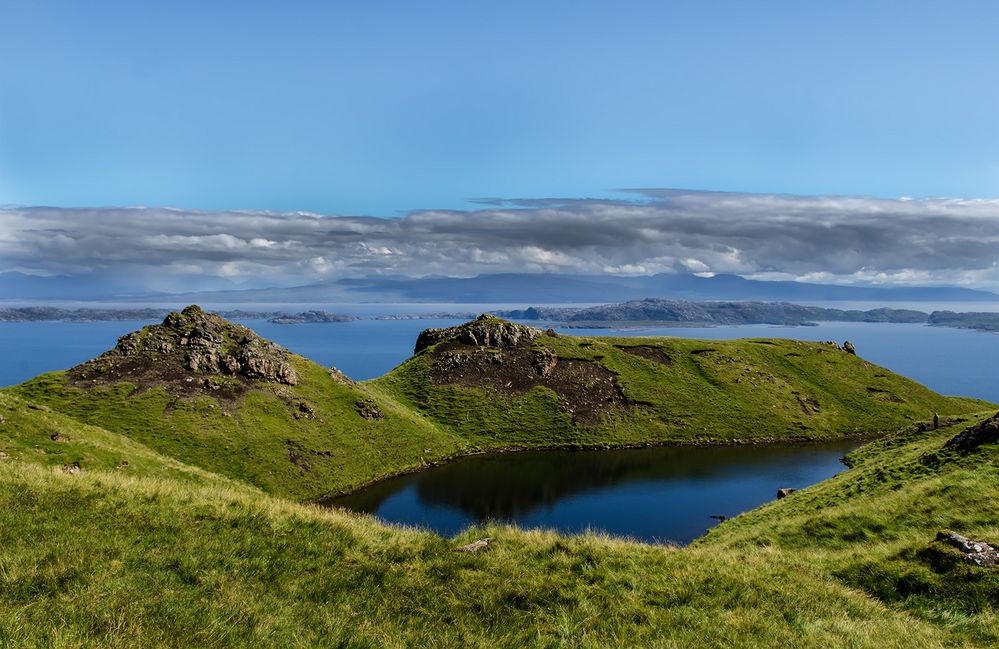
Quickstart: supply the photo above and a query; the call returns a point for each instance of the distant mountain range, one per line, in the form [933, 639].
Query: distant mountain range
[687, 313]
[500, 288]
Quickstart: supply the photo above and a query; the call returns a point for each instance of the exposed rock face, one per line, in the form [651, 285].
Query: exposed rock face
[979, 553]
[544, 361]
[849, 348]
[986, 432]
[509, 358]
[484, 331]
[190, 342]
[784, 492]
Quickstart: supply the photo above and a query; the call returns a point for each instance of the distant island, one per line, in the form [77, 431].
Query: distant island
[645, 312]
[707, 314]
[46, 313]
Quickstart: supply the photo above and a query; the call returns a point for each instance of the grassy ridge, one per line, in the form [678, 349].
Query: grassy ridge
[310, 439]
[711, 391]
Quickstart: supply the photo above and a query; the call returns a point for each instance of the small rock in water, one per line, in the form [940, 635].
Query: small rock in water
[475, 546]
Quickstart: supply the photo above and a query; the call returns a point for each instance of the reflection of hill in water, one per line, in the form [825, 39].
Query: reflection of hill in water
[510, 485]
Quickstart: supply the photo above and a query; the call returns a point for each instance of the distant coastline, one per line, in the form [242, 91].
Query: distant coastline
[685, 313]
[636, 313]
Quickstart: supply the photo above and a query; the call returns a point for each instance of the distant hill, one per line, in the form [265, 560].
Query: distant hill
[686, 312]
[551, 289]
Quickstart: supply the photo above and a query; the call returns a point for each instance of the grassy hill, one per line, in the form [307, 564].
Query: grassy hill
[214, 395]
[159, 554]
[170, 518]
[296, 429]
[498, 384]
[312, 434]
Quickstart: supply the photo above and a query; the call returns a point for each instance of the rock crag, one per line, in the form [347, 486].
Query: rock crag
[501, 355]
[484, 331]
[191, 343]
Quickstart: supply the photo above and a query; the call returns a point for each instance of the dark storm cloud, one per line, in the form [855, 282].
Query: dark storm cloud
[822, 238]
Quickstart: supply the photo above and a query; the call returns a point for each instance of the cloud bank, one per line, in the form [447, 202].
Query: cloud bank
[838, 239]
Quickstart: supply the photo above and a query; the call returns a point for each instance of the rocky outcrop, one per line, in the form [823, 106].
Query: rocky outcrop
[979, 553]
[511, 359]
[200, 343]
[985, 432]
[849, 348]
[484, 331]
[369, 410]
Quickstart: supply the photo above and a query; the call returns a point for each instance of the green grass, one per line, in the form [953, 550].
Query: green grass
[253, 440]
[872, 528]
[103, 559]
[740, 390]
[183, 530]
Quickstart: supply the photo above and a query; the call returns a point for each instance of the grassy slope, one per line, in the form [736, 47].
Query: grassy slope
[102, 559]
[740, 390]
[159, 553]
[26, 436]
[253, 440]
[872, 528]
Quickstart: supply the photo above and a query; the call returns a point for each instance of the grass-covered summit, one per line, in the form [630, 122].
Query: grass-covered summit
[215, 395]
[497, 383]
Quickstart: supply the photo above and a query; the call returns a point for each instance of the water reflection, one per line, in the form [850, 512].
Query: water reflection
[656, 494]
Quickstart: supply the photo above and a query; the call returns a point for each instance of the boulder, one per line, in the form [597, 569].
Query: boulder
[369, 410]
[979, 553]
[849, 348]
[784, 492]
[985, 432]
[475, 546]
[544, 361]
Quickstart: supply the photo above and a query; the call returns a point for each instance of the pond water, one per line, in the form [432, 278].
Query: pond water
[659, 495]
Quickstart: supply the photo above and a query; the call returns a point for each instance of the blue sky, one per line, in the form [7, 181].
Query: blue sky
[384, 107]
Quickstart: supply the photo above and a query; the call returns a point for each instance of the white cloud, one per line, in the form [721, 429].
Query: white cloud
[838, 239]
